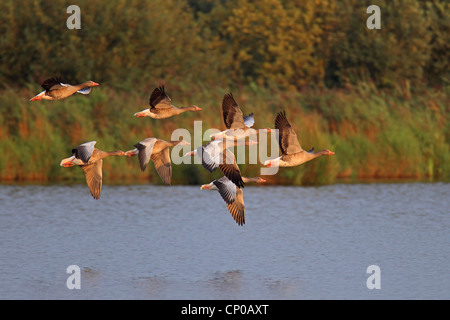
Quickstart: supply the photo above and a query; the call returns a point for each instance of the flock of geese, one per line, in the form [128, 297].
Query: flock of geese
[214, 154]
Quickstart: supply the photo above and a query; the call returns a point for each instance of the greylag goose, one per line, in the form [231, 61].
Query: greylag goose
[292, 154]
[161, 106]
[238, 126]
[90, 159]
[232, 195]
[55, 89]
[215, 154]
[157, 150]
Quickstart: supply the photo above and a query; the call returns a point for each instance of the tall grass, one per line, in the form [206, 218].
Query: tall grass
[375, 134]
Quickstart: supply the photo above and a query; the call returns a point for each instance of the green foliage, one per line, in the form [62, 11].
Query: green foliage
[378, 98]
[120, 42]
[287, 44]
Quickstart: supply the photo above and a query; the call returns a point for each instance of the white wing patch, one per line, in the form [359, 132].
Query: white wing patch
[86, 90]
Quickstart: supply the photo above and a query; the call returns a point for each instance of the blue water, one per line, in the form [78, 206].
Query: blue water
[180, 242]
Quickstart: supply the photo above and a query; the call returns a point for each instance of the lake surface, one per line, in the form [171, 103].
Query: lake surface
[180, 242]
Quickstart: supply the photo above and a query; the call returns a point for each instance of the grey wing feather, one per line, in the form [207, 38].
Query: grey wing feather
[249, 120]
[226, 188]
[237, 208]
[210, 157]
[145, 148]
[84, 151]
[86, 90]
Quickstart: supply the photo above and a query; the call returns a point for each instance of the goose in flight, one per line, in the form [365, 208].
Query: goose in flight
[161, 106]
[215, 154]
[238, 126]
[292, 154]
[55, 89]
[158, 151]
[90, 159]
[232, 195]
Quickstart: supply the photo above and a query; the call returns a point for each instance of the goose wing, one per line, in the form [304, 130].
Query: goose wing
[249, 120]
[232, 113]
[94, 177]
[145, 148]
[210, 155]
[52, 84]
[287, 139]
[84, 151]
[230, 168]
[160, 99]
[163, 165]
[237, 208]
[226, 188]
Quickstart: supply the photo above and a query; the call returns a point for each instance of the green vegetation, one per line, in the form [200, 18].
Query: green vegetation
[378, 98]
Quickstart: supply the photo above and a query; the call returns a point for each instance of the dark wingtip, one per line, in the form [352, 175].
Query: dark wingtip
[229, 95]
[139, 146]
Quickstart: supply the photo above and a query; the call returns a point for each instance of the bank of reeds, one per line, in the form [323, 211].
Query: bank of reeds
[376, 134]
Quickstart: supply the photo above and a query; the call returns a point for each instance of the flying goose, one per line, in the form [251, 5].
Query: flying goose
[215, 154]
[158, 151]
[55, 89]
[292, 154]
[161, 106]
[238, 126]
[90, 159]
[232, 195]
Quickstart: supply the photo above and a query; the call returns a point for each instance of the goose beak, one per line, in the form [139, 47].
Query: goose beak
[205, 186]
[270, 163]
[94, 84]
[263, 180]
[36, 98]
[66, 162]
[330, 153]
[139, 114]
[131, 153]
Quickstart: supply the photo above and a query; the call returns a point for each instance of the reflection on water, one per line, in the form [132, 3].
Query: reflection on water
[180, 242]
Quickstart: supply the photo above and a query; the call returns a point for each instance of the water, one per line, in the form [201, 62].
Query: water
[180, 242]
